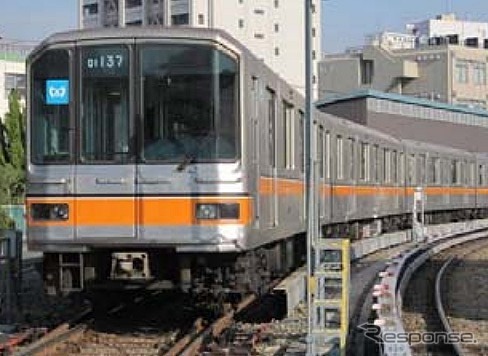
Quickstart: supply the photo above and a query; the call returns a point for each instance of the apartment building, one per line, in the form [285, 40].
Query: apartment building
[272, 29]
[12, 70]
[450, 69]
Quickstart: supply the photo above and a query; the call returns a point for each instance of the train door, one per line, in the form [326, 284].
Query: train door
[321, 171]
[256, 146]
[105, 207]
[272, 159]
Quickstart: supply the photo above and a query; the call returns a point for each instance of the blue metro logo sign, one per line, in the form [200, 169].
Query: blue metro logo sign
[57, 92]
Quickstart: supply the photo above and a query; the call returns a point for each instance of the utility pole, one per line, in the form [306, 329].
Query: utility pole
[309, 173]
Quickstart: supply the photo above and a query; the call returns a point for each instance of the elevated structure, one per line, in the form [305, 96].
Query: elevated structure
[272, 29]
[413, 118]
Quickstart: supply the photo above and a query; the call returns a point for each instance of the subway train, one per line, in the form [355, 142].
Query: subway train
[174, 154]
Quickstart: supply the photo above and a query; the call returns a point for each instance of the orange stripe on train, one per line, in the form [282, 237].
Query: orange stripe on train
[143, 211]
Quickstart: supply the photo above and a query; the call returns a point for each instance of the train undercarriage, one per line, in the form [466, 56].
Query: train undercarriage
[211, 273]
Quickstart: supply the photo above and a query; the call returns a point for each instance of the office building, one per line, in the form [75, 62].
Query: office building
[446, 69]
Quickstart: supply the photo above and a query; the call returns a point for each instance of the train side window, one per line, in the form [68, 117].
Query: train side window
[364, 162]
[394, 166]
[472, 174]
[401, 166]
[411, 170]
[351, 161]
[289, 135]
[327, 154]
[386, 165]
[437, 170]
[431, 170]
[453, 172]
[456, 171]
[271, 99]
[376, 163]
[301, 143]
[340, 158]
[421, 168]
[320, 151]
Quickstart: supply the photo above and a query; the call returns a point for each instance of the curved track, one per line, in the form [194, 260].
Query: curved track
[465, 299]
[419, 312]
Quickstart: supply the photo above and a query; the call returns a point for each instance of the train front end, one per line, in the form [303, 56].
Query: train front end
[134, 157]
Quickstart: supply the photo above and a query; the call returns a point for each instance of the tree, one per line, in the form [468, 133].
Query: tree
[12, 153]
[5, 221]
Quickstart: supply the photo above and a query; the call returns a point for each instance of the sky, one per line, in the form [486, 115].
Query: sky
[345, 23]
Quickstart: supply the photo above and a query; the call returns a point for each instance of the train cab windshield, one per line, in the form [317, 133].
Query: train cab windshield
[179, 102]
[189, 102]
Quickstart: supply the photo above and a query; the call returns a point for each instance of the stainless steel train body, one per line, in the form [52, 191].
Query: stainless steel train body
[155, 152]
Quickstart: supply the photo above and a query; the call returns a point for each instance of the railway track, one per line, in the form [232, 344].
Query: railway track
[465, 299]
[419, 312]
[159, 323]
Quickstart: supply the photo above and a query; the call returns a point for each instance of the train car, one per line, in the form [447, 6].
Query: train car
[175, 154]
[143, 157]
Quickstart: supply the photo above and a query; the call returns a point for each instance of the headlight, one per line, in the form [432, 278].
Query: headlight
[206, 211]
[50, 211]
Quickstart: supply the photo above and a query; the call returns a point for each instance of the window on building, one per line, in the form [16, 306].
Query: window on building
[129, 4]
[276, 27]
[134, 23]
[241, 23]
[314, 32]
[201, 19]
[277, 51]
[259, 11]
[91, 9]
[14, 81]
[367, 71]
[276, 3]
[461, 70]
[259, 35]
[479, 73]
[181, 19]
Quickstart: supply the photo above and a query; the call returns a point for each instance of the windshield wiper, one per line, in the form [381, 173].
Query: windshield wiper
[187, 160]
